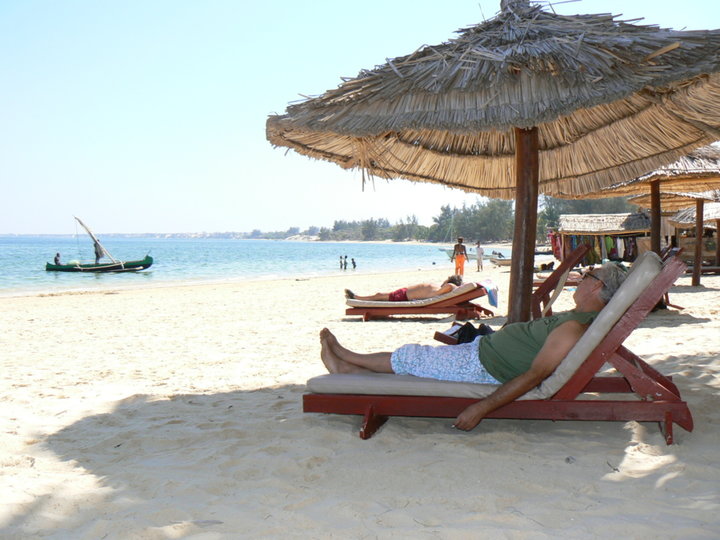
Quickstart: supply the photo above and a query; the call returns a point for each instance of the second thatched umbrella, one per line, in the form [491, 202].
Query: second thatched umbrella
[699, 171]
[690, 204]
[525, 102]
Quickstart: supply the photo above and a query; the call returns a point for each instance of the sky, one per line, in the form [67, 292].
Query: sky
[149, 115]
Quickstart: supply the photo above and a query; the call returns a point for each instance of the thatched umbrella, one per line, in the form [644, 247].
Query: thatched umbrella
[710, 218]
[527, 101]
[698, 171]
[687, 217]
[677, 201]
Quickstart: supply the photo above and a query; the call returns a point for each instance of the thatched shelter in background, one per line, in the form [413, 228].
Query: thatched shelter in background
[692, 249]
[709, 246]
[611, 236]
[699, 171]
[525, 102]
[673, 201]
[685, 219]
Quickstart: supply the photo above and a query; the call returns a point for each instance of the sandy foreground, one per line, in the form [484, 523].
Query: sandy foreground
[176, 413]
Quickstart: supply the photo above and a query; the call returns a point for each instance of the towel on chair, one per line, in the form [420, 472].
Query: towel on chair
[492, 291]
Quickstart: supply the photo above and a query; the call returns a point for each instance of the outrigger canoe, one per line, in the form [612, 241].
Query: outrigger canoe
[100, 252]
[501, 262]
[115, 266]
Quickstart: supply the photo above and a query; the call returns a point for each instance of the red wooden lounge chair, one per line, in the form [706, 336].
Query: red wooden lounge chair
[457, 302]
[646, 394]
[548, 289]
[666, 254]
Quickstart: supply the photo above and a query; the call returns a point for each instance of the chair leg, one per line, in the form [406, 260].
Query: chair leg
[371, 423]
[666, 428]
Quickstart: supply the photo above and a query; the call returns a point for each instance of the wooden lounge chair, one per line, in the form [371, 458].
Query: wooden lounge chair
[457, 302]
[666, 254]
[549, 288]
[647, 395]
[542, 298]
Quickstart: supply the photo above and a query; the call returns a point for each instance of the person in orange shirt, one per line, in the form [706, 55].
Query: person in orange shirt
[459, 256]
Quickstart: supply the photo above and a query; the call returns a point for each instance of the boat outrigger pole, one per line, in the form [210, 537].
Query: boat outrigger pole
[95, 239]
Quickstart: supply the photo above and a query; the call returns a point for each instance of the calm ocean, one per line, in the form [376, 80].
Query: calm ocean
[193, 260]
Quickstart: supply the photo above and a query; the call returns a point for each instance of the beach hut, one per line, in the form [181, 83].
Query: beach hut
[691, 204]
[529, 101]
[620, 237]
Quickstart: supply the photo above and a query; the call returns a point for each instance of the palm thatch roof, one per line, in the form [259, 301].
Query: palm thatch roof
[676, 200]
[685, 219]
[603, 224]
[611, 100]
[697, 171]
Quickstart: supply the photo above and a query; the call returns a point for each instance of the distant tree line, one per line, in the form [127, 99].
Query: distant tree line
[489, 220]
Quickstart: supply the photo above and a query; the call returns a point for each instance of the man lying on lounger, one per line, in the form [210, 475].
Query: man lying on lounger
[518, 357]
[420, 291]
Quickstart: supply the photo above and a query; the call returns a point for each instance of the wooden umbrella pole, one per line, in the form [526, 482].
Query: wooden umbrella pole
[697, 265]
[655, 217]
[523, 247]
[717, 242]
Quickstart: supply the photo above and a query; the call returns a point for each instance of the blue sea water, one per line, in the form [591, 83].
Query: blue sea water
[195, 260]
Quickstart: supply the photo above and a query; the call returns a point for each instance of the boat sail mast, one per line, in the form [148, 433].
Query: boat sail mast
[87, 229]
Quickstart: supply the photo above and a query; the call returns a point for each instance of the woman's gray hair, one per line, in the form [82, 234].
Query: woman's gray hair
[612, 276]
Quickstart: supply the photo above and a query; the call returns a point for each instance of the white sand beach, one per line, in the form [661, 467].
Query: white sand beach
[176, 413]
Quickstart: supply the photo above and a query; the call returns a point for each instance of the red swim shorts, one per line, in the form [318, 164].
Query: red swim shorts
[398, 296]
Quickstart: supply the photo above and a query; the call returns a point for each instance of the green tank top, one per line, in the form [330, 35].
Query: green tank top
[509, 352]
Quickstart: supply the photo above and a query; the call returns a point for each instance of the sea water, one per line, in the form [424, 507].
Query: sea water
[198, 260]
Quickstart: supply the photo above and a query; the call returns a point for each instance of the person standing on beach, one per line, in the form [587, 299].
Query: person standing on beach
[459, 256]
[480, 252]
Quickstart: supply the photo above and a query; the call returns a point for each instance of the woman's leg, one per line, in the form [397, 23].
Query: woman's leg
[338, 359]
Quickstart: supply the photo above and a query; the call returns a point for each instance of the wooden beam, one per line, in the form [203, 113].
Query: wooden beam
[697, 265]
[655, 217]
[523, 248]
[717, 242]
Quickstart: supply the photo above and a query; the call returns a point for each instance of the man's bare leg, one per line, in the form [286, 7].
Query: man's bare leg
[332, 361]
[374, 362]
[377, 297]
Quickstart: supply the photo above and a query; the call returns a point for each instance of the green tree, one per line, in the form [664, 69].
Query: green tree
[369, 229]
[324, 234]
[494, 221]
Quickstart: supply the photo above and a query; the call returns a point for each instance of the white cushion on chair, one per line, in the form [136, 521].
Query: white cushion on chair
[643, 271]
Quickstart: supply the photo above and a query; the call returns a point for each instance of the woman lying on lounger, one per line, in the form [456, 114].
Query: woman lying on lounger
[518, 357]
[413, 292]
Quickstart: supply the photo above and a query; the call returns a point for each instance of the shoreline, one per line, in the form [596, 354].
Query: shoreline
[103, 288]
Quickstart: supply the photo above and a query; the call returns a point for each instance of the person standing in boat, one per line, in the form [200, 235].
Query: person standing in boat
[57, 259]
[459, 256]
[99, 252]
